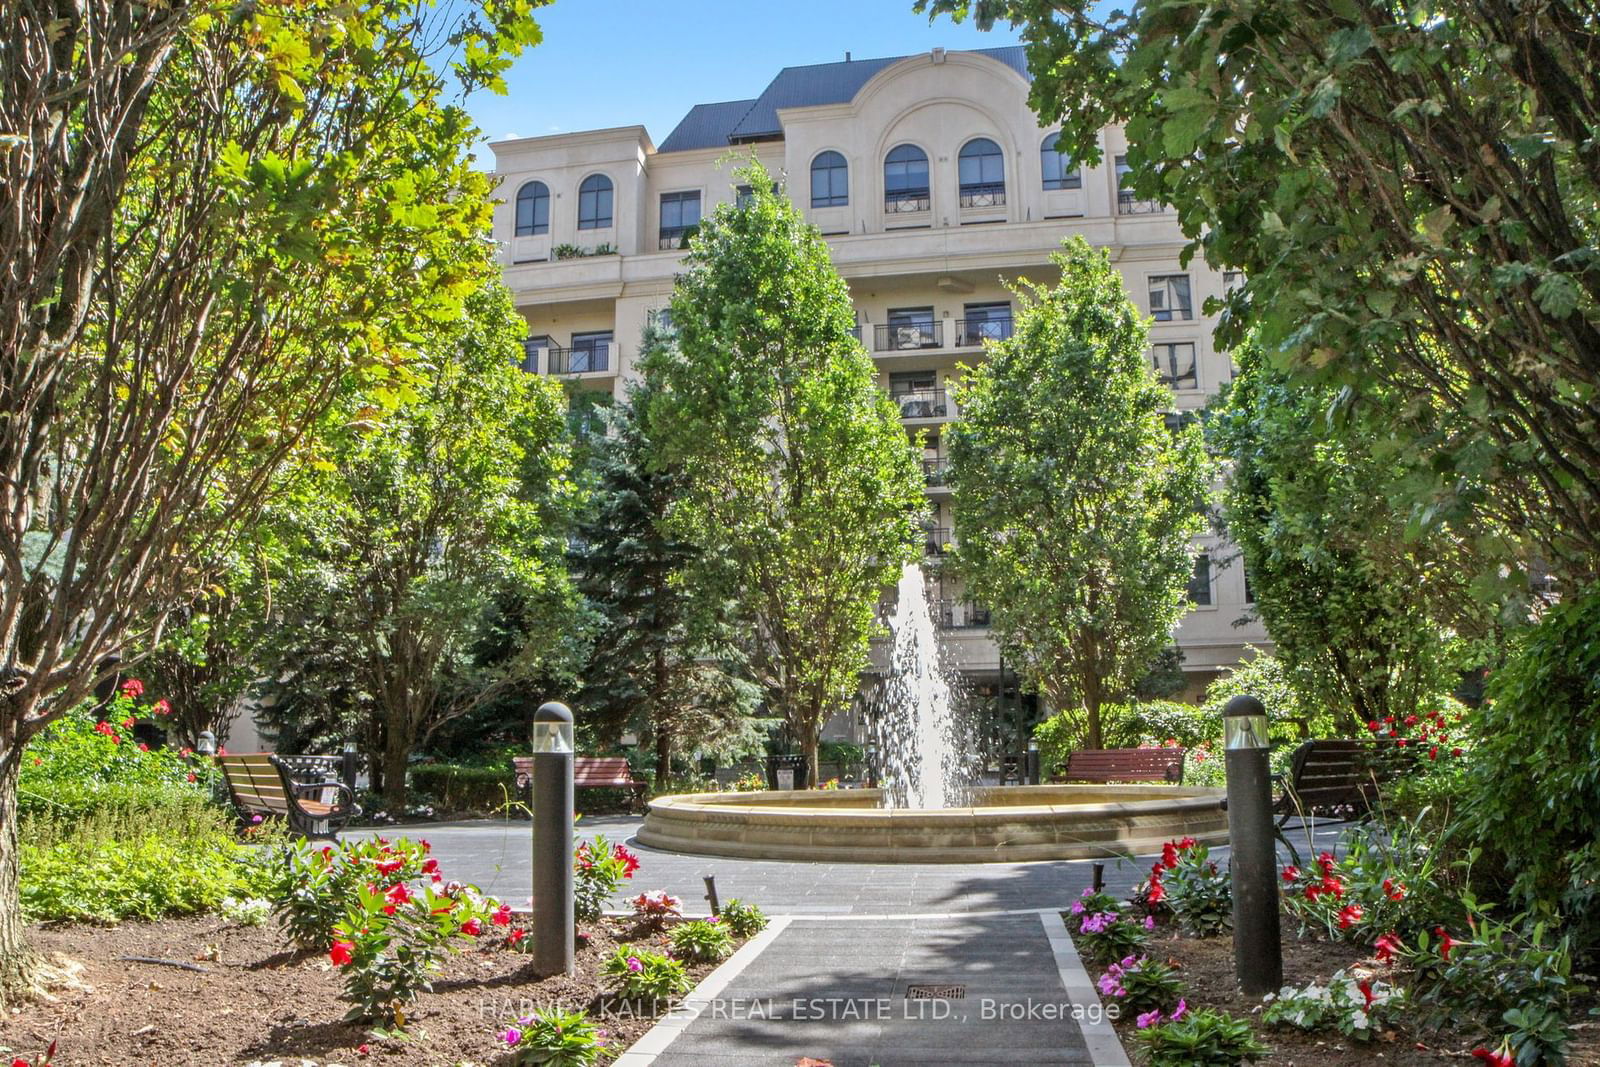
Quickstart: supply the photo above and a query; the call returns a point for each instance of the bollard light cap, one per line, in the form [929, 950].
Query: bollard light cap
[552, 728]
[1244, 723]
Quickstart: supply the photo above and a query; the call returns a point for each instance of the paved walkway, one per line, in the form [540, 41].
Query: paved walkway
[831, 977]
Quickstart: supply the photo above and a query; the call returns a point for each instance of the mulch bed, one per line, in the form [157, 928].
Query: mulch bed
[1206, 966]
[259, 1002]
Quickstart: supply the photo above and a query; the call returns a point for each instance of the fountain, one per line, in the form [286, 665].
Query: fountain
[928, 809]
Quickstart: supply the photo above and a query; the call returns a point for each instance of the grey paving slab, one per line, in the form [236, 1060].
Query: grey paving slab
[837, 990]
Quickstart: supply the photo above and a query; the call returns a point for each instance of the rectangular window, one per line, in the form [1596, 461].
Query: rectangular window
[1127, 203]
[1174, 363]
[594, 205]
[1200, 581]
[1169, 297]
[910, 328]
[917, 394]
[984, 322]
[661, 319]
[530, 352]
[590, 352]
[1232, 280]
[1249, 590]
[1060, 172]
[680, 214]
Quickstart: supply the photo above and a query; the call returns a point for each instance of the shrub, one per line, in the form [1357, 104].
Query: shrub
[1199, 893]
[1127, 726]
[1296, 706]
[553, 1038]
[111, 864]
[599, 869]
[1358, 1008]
[703, 940]
[741, 919]
[1141, 985]
[748, 783]
[1533, 795]
[1199, 1039]
[1388, 881]
[454, 787]
[636, 974]
[1105, 936]
[1507, 976]
[317, 885]
[250, 911]
[394, 941]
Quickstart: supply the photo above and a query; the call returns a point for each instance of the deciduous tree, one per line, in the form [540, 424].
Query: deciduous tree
[1074, 503]
[800, 483]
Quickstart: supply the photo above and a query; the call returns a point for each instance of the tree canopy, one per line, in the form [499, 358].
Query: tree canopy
[800, 484]
[1074, 503]
[1411, 192]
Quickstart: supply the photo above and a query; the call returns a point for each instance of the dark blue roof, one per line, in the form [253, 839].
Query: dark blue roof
[705, 126]
[714, 125]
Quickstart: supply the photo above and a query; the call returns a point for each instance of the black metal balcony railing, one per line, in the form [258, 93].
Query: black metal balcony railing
[905, 201]
[986, 194]
[586, 360]
[936, 470]
[960, 615]
[1177, 373]
[936, 541]
[675, 237]
[1128, 204]
[973, 332]
[921, 403]
[855, 331]
[902, 336]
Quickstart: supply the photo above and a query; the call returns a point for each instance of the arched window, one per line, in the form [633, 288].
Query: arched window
[905, 179]
[594, 203]
[533, 209]
[983, 173]
[830, 180]
[1060, 172]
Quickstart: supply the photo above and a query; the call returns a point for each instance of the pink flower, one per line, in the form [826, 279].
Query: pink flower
[161, 707]
[143, 747]
[511, 1035]
[342, 952]
[634, 965]
[132, 688]
[1148, 1019]
[1149, 922]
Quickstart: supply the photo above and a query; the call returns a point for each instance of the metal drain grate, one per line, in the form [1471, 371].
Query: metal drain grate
[936, 992]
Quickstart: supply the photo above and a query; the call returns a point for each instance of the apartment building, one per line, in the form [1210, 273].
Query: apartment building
[935, 187]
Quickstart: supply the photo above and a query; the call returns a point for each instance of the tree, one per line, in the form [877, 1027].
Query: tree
[800, 486]
[1359, 605]
[1412, 196]
[218, 217]
[426, 520]
[664, 658]
[1074, 504]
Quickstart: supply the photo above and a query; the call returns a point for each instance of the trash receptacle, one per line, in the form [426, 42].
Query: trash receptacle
[794, 764]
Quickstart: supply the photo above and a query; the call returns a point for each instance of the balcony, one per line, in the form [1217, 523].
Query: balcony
[922, 403]
[935, 541]
[1128, 204]
[987, 194]
[594, 359]
[675, 237]
[960, 615]
[905, 201]
[855, 331]
[936, 472]
[973, 332]
[908, 336]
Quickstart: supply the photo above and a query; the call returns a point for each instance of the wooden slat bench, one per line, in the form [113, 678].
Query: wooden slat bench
[261, 783]
[1334, 779]
[1123, 765]
[592, 772]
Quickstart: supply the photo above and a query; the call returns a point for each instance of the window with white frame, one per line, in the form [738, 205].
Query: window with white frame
[1170, 299]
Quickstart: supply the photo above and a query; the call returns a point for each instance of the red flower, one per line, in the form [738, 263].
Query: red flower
[1401, 742]
[1393, 732]
[472, 927]
[1411, 720]
[1446, 943]
[1388, 720]
[1349, 915]
[1169, 855]
[1433, 753]
[362, 1049]
[161, 707]
[430, 866]
[127, 724]
[516, 935]
[1494, 1059]
[398, 894]
[1313, 891]
[1290, 873]
[1388, 945]
[1333, 885]
[630, 862]
[1158, 892]
[1457, 751]
[342, 952]
[185, 752]
[1186, 843]
[1365, 985]
[502, 916]
[143, 747]
[1393, 889]
[388, 869]
[1373, 726]
[222, 750]
[192, 778]
[132, 688]
[1325, 861]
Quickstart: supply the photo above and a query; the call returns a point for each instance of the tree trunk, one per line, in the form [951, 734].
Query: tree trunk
[396, 752]
[808, 742]
[663, 757]
[18, 963]
[1091, 706]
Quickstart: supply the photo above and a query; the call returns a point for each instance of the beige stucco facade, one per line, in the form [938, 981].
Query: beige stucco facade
[940, 261]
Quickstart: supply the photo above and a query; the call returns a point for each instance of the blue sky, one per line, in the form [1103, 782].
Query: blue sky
[620, 62]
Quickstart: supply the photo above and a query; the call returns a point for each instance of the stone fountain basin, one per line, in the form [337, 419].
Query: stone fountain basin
[1006, 824]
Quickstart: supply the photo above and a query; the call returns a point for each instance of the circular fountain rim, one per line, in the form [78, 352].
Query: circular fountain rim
[1050, 822]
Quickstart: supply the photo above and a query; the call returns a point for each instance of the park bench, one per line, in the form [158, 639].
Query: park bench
[592, 772]
[1123, 765]
[1334, 779]
[294, 788]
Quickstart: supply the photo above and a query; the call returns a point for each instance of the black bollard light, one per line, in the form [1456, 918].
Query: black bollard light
[1253, 860]
[349, 763]
[553, 920]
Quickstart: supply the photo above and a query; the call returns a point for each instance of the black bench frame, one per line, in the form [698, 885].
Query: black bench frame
[291, 791]
[1334, 779]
